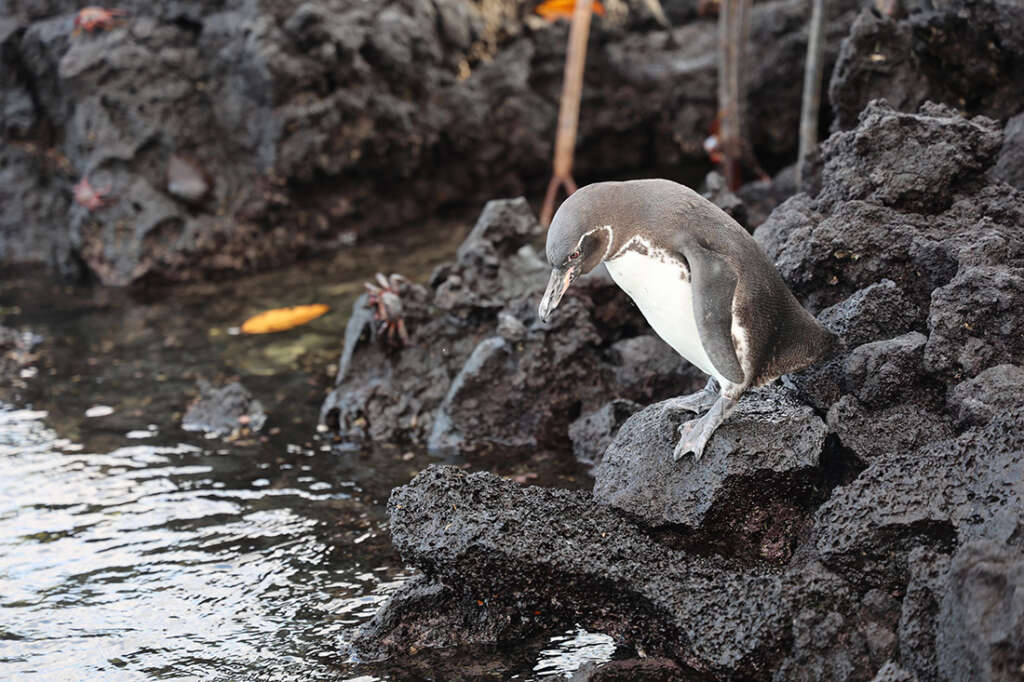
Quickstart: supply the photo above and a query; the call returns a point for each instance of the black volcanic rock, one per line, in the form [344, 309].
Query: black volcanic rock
[880, 488]
[992, 392]
[759, 461]
[882, 372]
[224, 410]
[883, 542]
[1010, 166]
[877, 433]
[968, 54]
[876, 312]
[917, 215]
[927, 576]
[980, 628]
[317, 121]
[556, 557]
[927, 498]
[911, 162]
[975, 321]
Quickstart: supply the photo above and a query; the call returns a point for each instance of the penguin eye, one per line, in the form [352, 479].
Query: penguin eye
[574, 255]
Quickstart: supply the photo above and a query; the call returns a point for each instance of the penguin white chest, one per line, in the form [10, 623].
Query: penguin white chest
[658, 286]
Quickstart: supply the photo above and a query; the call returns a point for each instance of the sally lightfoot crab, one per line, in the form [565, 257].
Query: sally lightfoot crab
[97, 18]
[90, 197]
[384, 308]
[385, 301]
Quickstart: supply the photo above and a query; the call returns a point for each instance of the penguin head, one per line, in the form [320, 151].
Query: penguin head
[576, 245]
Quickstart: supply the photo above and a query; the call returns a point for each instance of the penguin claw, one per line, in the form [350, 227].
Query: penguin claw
[691, 439]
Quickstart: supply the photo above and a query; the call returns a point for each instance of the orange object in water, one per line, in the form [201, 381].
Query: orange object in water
[553, 10]
[282, 319]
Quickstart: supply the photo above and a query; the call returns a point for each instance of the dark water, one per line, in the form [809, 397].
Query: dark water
[131, 549]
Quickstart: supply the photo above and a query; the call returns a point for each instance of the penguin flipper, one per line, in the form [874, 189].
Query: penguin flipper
[713, 284]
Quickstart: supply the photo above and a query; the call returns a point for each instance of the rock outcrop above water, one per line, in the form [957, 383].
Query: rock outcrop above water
[18, 352]
[234, 136]
[863, 520]
[224, 411]
[513, 547]
[762, 467]
[481, 370]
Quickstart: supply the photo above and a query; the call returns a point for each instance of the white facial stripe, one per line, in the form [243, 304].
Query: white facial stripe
[635, 239]
[607, 249]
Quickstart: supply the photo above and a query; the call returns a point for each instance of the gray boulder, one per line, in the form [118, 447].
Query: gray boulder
[592, 433]
[762, 460]
[224, 411]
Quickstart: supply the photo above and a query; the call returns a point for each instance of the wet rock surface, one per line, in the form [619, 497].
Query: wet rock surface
[871, 506]
[649, 669]
[511, 547]
[224, 411]
[237, 136]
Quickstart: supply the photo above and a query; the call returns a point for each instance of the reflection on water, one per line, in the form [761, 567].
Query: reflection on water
[131, 549]
[146, 559]
[568, 652]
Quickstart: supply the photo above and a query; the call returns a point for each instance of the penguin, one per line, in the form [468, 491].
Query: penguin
[701, 281]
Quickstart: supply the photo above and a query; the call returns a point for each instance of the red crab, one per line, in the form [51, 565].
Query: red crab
[386, 302]
[90, 197]
[93, 18]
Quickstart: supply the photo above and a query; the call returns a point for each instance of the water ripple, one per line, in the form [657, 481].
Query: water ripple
[131, 564]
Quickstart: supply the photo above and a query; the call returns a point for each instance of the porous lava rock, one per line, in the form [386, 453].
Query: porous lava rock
[760, 468]
[980, 625]
[878, 497]
[308, 123]
[968, 54]
[512, 548]
[992, 392]
[929, 497]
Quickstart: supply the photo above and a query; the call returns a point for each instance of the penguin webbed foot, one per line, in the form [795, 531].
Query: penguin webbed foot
[696, 402]
[695, 434]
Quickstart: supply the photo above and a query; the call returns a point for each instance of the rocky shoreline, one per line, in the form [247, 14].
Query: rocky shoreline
[862, 517]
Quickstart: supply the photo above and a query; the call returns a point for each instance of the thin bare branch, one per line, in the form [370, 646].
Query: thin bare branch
[569, 109]
[733, 30]
[811, 104]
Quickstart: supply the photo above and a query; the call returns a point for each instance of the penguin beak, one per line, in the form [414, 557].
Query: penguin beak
[559, 282]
